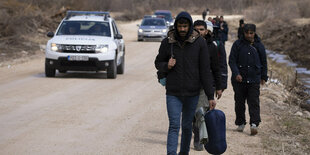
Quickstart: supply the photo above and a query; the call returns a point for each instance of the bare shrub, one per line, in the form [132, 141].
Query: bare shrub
[272, 10]
[133, 15]
[4, 22]
[303, 7]
[257, 13]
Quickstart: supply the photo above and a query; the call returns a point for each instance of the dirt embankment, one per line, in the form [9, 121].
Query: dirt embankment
[23, 29]
[291, 39]
[290, 133]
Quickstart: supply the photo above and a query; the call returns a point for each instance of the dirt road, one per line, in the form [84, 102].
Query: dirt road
[85, 113]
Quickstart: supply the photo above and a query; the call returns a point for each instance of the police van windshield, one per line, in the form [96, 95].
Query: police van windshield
[85, 28]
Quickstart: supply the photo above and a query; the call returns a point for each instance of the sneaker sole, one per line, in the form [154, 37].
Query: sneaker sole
[200, 148]
[239, 130]
[253, 132]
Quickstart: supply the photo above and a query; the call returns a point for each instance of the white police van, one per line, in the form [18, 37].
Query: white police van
[85, 41]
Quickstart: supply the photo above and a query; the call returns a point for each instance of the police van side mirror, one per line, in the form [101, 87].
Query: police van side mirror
[118, 36]
[50, 34]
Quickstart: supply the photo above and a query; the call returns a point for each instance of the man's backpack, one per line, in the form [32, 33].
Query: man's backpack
[161, 75]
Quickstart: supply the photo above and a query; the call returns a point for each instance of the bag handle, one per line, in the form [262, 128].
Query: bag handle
[171, 52]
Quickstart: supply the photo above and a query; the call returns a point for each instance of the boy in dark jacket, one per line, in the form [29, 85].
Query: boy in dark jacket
[248, 64]
[184, 60]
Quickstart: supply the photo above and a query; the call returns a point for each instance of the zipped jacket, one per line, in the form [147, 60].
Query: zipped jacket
[192, 68]
[248, 60]
[215, 65]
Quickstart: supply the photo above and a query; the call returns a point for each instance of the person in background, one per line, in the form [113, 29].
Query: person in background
[240, 29]
[73, 28]
[97, 29]
[217, 18]
[223, 30]
[221, 51]
[248, 64]
[210, 19]
[204, 14]
[184, 61]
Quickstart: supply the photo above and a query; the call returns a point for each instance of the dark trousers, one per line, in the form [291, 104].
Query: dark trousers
[250, 93]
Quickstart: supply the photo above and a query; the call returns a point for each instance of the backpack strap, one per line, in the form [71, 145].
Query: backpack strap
[215, 43]
[171, 51]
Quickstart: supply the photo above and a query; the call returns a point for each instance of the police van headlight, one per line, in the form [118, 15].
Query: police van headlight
[56, 47]
[140, 30]
[102, 48]
[164, 30]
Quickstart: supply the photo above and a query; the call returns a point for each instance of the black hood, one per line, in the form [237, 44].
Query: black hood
[187, 16]
[209, 38]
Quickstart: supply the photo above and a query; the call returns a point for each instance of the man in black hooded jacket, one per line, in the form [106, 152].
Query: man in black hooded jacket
[184, 61]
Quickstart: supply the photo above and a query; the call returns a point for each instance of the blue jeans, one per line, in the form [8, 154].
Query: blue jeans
[175, 107]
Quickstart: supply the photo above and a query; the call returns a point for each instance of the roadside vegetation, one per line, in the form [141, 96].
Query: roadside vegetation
[24, 22]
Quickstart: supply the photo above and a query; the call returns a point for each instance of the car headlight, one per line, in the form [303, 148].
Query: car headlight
[164, 30]
[140, 30]
[102, 48]
[55, 47]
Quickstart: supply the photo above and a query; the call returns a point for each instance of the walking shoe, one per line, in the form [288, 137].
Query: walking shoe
[254, 129]
[240, 128]
[198, 146]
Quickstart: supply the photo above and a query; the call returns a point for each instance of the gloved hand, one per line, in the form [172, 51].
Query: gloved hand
[162, 81]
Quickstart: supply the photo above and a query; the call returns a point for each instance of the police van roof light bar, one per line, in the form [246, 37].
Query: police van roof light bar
[89, 13]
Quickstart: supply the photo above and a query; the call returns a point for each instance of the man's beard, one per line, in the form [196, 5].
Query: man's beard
[182, 33]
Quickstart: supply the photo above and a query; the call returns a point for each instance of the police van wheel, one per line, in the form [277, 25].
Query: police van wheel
[121, 67]
[111, 74]
[49, 72]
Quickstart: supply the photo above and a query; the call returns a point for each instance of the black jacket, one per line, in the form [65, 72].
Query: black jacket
[240, 32]
[248, 60]
[223, 63]
[214, 58]
[192, 69]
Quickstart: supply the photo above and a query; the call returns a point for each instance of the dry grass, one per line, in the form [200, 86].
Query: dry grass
[36, 17]
[285, 10]
[284, 132]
